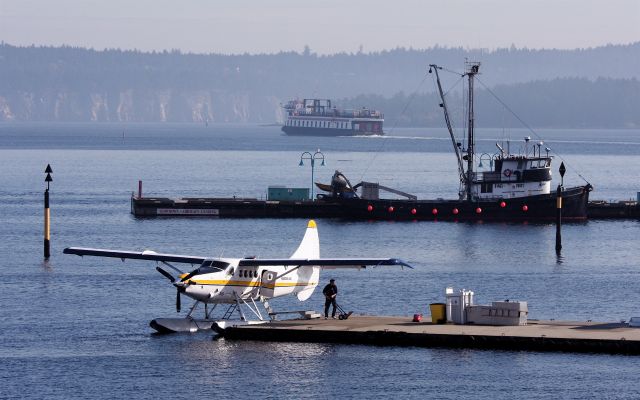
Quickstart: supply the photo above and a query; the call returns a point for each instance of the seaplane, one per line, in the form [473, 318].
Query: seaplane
[239, 284]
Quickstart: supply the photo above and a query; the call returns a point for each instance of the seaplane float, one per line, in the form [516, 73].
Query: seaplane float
[239, 284]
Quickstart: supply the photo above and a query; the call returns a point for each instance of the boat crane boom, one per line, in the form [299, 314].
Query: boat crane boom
[456, 149]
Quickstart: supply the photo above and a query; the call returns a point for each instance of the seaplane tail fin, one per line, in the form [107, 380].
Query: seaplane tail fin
[310, 245]
[309, 249]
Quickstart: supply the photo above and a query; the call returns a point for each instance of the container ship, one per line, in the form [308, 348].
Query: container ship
[317, 117]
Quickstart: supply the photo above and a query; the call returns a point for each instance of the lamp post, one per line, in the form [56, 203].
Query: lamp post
[480, 165]
[318, 155]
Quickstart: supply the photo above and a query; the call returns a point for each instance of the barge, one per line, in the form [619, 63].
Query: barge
[359, 210]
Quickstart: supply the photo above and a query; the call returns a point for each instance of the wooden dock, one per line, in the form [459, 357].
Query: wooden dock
[595, 337]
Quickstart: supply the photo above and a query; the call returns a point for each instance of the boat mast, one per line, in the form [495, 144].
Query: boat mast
[456, 148]
[472, 70]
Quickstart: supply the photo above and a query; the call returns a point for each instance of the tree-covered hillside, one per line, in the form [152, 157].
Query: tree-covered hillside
[589, 87]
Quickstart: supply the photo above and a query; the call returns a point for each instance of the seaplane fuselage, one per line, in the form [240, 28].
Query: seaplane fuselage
[229, 280]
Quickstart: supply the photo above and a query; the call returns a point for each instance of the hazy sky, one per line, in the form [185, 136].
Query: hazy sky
[327, 26]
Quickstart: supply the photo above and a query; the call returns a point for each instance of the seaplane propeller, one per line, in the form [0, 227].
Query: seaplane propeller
[180, 285]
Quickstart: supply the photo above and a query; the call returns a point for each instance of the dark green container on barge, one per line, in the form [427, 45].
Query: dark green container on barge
[282, 193]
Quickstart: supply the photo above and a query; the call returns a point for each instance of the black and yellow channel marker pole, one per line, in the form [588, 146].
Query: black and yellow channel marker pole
[562, 170]
[48, 179]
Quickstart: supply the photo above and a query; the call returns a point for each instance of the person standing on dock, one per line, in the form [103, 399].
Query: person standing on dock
[330, 292]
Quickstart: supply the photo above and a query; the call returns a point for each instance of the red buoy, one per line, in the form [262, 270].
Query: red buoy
[503, 204]
[414, 211]
[525, 208]
[434, 211]
[369, 208]
[478, 210]
[455, 211]
[390, 209]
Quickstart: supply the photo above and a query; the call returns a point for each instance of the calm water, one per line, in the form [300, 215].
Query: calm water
[77, 328]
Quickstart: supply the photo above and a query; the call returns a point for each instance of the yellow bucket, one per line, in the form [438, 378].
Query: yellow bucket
[438, 314]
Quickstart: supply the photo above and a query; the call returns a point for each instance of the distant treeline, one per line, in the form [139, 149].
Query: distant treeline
[585, 87]
[557, 103]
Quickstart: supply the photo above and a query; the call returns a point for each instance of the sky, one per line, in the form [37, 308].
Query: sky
[327, 26]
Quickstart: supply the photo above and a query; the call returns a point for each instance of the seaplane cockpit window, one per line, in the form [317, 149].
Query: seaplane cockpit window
[211, 266]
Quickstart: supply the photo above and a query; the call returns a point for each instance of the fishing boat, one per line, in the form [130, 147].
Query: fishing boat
[317, 117]
[514, 187]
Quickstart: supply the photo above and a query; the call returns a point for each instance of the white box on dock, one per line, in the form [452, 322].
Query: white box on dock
[499, 313]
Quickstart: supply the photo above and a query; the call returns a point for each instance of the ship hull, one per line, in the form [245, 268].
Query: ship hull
[532, 208]
[312, 131]
[540, 208]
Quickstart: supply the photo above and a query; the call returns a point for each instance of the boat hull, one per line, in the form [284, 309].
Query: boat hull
[312, 131]
[533, 208]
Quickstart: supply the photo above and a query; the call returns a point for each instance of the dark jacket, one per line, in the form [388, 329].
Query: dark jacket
[330, 290]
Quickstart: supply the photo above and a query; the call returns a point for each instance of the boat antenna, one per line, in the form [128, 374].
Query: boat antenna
[456, 147]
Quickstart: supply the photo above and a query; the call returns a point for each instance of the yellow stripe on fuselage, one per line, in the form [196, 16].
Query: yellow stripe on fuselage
[220, 282]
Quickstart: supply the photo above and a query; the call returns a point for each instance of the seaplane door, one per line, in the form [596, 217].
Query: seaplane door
[268, 283]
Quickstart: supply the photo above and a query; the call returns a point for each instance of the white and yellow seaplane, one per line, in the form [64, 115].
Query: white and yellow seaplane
[239, 282]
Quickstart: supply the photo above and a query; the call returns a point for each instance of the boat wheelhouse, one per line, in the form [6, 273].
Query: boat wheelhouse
[511, 176]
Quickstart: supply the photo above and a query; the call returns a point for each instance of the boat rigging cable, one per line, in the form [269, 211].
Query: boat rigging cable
[395, 124]
[529, 128]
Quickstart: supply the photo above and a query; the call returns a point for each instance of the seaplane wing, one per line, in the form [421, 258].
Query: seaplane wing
[329, 263]
[142, 255]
